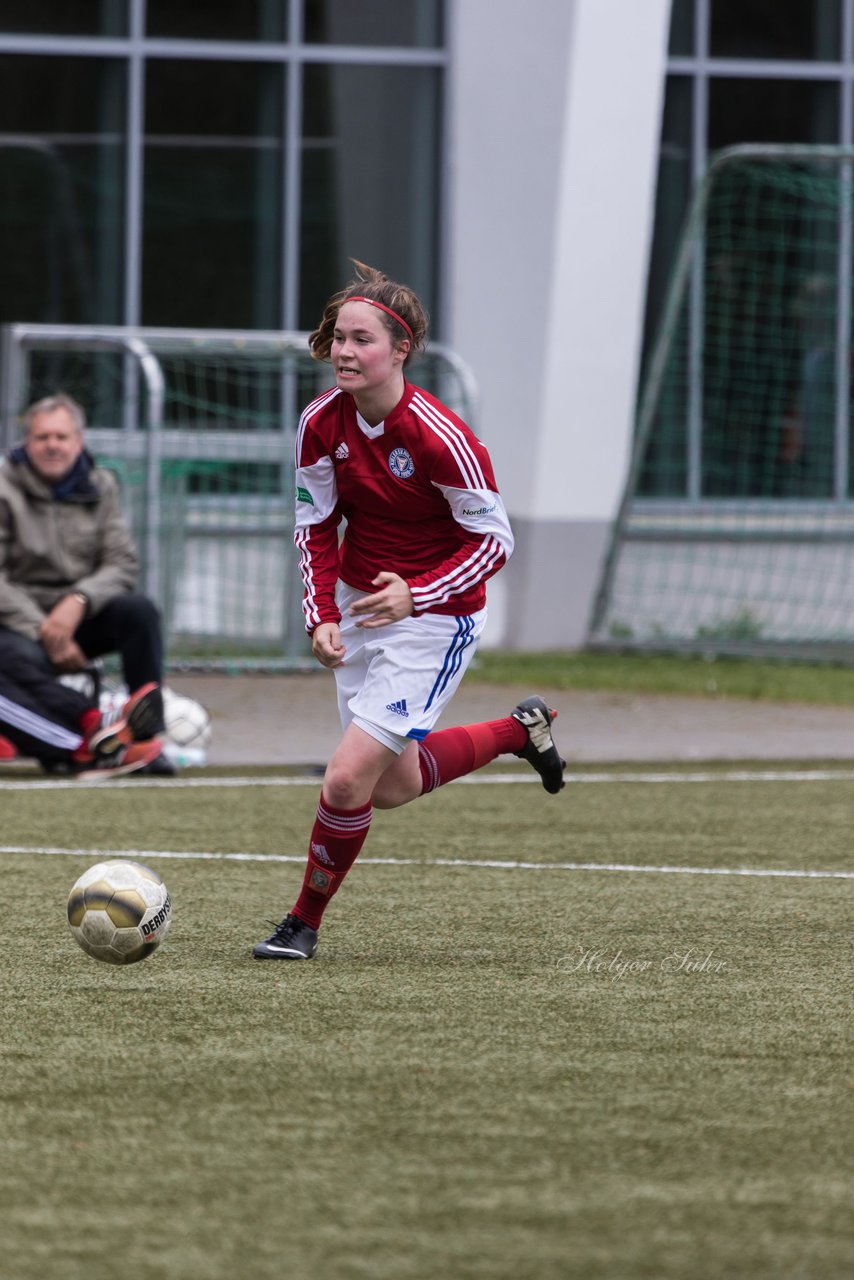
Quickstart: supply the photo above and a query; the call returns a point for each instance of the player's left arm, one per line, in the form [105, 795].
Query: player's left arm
[487, 546]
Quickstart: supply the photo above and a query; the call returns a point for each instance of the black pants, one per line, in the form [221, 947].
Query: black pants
[38, 713]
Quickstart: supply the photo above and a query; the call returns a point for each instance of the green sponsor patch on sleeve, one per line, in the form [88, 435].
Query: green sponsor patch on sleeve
[303, 495]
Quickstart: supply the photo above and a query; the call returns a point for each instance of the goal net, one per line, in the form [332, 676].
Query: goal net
[736, 529]
[200, 429]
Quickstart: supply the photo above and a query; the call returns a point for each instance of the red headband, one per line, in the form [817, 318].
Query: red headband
[371, 303]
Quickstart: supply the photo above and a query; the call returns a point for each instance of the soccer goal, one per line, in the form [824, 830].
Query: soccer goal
[199, 427]
[736, 529]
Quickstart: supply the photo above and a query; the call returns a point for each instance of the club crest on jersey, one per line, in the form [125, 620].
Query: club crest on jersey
[400, 464]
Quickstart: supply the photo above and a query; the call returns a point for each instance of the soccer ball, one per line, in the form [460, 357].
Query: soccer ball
[187, 722]
[119, 911]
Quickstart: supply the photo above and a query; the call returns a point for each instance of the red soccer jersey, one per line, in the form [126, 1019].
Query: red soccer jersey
[419, 499]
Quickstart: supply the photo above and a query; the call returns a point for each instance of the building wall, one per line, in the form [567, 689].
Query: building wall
[552, 163]
[548, 164]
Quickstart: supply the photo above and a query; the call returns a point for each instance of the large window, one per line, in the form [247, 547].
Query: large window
[753, 400]
[795, 30]
[374, 22]
[217, 19]
[212, 208]
[370, 155]
[62, 189]
[65, 17]
[149, 176]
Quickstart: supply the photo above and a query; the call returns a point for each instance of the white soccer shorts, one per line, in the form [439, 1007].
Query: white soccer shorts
[396, 681]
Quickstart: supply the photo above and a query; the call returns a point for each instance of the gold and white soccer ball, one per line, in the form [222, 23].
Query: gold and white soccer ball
[119, 911]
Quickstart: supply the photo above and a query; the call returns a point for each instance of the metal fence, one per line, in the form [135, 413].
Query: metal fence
[735, 533]
[199, 427]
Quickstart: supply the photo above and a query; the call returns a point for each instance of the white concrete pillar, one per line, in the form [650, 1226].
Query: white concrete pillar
[555, 124]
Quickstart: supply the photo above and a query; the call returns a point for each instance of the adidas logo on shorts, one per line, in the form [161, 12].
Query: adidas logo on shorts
[399, 708]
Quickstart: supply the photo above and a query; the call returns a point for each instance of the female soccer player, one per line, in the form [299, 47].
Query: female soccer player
[397, 611]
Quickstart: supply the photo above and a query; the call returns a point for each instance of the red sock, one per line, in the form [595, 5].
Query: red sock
[90, 722]
[336, 838]
[452, 753]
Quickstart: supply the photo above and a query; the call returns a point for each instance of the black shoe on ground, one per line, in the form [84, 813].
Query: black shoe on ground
[536, 717]
[160, 767]
[293, 939]
[60, 768]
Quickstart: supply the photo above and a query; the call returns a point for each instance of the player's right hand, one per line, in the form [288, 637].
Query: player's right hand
[326, 644]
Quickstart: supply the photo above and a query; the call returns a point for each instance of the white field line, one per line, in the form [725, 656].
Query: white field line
[490, 864]
[475, 779]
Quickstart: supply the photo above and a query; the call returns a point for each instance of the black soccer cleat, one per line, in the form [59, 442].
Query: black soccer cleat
[292, 939]
[536, 717]
[160, 767]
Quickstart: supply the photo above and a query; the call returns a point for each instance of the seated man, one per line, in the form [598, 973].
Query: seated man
[68, 570]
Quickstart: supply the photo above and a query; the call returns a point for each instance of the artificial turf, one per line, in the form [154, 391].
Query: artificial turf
[487, 1071]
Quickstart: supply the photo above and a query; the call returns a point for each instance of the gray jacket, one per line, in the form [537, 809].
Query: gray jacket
[50, 547]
